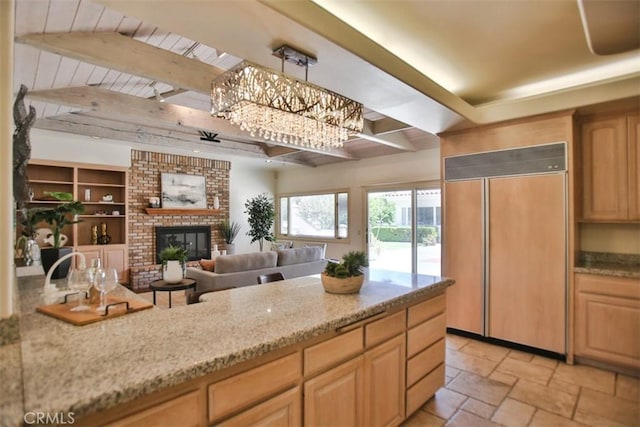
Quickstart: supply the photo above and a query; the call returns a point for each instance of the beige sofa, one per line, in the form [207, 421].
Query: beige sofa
[232, 271]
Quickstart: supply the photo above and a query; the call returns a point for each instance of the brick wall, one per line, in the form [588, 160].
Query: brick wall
[144, 182]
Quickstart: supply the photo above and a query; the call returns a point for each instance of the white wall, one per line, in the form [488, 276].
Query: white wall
[246, 182]
[355, 176]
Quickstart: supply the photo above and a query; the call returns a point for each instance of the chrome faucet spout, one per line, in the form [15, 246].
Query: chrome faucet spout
[50, 288]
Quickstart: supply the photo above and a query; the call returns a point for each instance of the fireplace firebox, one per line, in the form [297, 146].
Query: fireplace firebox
[196, 239]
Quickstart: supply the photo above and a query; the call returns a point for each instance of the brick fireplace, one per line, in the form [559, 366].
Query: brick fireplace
[144, 182]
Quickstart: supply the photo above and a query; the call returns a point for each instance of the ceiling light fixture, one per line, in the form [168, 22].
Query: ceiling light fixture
[276, 107]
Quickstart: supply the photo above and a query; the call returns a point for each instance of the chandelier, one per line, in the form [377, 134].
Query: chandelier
[276, 107]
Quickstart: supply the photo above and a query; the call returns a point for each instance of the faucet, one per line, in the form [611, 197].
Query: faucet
[50, 288]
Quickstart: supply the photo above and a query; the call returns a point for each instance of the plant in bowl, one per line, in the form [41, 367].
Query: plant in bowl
[173, 262]
[228, 231]
[57, 218]
[345, 277]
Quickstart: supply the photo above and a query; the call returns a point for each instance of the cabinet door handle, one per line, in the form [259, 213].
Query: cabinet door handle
[357, 323]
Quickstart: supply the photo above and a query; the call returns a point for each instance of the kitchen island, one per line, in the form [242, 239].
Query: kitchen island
[246, 348]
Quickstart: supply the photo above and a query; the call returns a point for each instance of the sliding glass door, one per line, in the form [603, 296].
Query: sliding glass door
[403, 229]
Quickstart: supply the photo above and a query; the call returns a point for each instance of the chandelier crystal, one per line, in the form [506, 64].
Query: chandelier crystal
[276, 107]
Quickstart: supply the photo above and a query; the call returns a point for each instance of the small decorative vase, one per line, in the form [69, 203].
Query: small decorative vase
[32, 253]
[231, 248]
[348, 285]
[103, 238]
[172, 272]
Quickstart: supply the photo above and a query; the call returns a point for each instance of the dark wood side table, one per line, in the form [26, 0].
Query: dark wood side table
[162, 286]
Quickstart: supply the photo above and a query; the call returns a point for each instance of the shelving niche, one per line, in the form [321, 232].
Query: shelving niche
[88, 184]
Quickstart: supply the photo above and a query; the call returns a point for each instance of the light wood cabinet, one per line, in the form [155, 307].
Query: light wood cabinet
[384, 383]
[335, 398]
[351, 378]
[526, 261]
[463, 253]
[425, 351]
[115, 256]
[608, 319]
[610, 169]
[88, 184]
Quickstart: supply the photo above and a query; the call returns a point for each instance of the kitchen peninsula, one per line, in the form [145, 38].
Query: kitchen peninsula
[246, 354]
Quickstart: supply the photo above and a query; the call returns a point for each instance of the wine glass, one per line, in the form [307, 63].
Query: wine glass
[80, 280]
[105, 281]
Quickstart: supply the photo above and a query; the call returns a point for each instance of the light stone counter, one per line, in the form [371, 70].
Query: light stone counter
[84, 369]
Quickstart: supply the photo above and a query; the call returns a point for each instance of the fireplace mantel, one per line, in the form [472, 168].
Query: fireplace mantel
[175, 211]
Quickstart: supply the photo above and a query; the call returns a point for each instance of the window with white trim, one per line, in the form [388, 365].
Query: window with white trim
[324, 215]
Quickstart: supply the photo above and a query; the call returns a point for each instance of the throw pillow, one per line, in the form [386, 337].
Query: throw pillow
[208, 264]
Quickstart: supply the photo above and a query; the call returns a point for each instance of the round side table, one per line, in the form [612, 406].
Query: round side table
[162, 286]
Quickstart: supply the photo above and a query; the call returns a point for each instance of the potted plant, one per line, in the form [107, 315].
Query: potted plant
[345, 277]
[262, 214]
[57, 218]
[173, 262]
[228, 231]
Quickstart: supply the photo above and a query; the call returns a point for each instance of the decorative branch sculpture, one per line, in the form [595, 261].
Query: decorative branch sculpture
[21, 146]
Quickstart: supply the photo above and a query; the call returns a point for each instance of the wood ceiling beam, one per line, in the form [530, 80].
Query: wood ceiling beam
[279, 151]
[394, 140]
[122, 53]
[127, 107]
[387, 125]
[96, 127]
[115, 103]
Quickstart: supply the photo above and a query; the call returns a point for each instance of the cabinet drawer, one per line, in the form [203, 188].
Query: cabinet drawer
[185, 410]
[426, 310]
[386, 328]
[283, 410]
[425, 334]
[332, 351]
[249, 387]
[424, 362]
[419, 393]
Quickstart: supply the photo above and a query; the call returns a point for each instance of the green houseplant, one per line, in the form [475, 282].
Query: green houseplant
[262, 214]
[57, 217]
[346, 276]
[228, 231]
[173, 262]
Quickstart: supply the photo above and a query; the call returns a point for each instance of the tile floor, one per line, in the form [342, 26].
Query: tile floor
[489, 385]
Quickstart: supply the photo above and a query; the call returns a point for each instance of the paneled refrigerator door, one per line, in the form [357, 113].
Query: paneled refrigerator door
[527, 249]
[463, 258]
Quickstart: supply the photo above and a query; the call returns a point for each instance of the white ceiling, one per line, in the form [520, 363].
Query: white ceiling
[419, 67]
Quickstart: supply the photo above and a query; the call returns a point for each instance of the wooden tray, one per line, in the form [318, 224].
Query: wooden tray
[63, 311]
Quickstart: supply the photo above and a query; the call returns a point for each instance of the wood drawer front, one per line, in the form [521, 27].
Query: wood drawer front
[283, 410]
[425, 334]
[332, 351]
[608, 285]
[185, 410]
[426, 310]
[386, 328]
[424, 362]
[419, 393]
[249, 387]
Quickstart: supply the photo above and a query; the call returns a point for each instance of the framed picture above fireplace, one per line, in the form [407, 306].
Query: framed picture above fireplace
[183, 191]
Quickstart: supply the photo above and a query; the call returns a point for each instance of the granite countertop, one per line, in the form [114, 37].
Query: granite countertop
[84, 369]
[609, 264]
